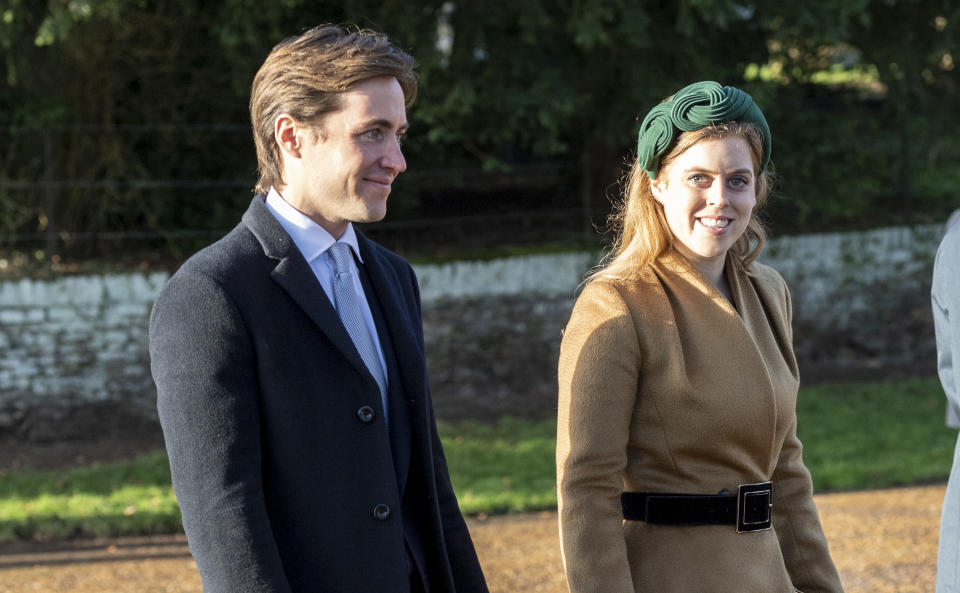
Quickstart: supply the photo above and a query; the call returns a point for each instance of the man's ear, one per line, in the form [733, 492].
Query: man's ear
[288, 133]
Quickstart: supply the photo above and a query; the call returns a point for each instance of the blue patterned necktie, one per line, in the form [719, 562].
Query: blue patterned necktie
[348, 308]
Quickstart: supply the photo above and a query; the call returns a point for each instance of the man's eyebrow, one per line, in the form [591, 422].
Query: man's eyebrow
[384, 123]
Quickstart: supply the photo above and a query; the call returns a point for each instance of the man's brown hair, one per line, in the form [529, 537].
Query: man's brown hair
[304, 77]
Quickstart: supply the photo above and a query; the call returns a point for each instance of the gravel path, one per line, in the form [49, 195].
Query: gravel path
[883, 541]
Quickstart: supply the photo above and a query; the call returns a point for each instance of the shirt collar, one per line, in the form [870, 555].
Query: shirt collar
[310, 238]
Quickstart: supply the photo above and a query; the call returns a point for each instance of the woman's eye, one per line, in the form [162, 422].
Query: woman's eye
[698, 178]
[738, 182]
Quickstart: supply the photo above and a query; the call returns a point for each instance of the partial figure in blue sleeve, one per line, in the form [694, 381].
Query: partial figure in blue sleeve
[945, 297]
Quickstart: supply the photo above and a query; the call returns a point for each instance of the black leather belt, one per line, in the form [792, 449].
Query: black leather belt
[749, 509]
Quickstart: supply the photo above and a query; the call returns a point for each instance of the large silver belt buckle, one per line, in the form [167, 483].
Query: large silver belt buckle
[754, 504]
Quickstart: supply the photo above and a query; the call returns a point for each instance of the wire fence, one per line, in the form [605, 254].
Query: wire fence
[87, 190]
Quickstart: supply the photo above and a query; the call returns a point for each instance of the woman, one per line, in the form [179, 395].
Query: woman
[678, 463]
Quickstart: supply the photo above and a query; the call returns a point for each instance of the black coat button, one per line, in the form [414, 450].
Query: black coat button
[381, 512]
[366, 414]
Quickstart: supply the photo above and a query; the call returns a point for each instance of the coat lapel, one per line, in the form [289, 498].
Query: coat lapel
[294, 275]
[408, 354]
[396, 310]
[721, 354]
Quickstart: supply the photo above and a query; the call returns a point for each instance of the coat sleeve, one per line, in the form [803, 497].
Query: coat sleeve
[203, 365]
[464, 564]
[945, 297]
[598, 378]
[797, 523]
[946, 320]
[795, 516]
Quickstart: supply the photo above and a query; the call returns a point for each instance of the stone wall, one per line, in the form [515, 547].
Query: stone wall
[68, 343]
[861, 300]
[861, 306]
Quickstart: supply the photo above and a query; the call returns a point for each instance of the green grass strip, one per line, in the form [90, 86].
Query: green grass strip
[127, 498]
[506, 467]
[856, 436]
[874, 435]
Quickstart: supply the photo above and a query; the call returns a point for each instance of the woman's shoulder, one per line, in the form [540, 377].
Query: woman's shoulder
[619, 289]
[601, 298]
[605, 298]
[765, 276]
[606, 312]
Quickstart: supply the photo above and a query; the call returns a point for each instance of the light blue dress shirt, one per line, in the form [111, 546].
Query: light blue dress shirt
[313, 241]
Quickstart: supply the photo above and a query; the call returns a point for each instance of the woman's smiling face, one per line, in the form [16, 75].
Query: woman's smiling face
[708, 193]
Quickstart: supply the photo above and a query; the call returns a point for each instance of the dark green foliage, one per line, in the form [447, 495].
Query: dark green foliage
[136, 110]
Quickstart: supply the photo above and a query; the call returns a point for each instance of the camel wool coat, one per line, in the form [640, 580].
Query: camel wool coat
[667, 387]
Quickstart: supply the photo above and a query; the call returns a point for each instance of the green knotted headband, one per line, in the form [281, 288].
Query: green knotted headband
[693, 107]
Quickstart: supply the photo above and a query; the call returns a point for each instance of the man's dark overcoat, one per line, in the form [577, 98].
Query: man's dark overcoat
[288, 477]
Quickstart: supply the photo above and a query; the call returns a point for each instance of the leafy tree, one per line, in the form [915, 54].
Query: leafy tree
[891, 126]
[130, 96]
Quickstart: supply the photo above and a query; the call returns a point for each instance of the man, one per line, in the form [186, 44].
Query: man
[946, 319]
[289, 357]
